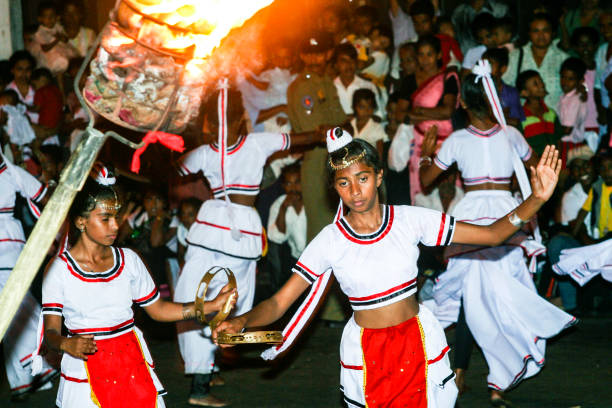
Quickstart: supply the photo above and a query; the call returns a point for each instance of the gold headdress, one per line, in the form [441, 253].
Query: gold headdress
[344, 163]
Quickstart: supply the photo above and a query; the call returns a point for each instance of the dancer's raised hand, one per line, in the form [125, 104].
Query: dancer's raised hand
[546, 174]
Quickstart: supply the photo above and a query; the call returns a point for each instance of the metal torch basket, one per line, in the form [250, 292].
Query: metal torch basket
[265, 336]
[134, 81]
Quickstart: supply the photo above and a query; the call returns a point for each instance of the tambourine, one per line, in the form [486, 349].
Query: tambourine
[271, 337]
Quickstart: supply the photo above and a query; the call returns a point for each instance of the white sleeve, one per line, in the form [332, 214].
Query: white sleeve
[131, 219]
[144, 291]
[446, 156]
[270, 143]
[401, 148]
[53, 289]
[193, 161]
[313, 262]
[174, 223]
[520, 144]
[433, 228]
[27, 185]
[274, 235]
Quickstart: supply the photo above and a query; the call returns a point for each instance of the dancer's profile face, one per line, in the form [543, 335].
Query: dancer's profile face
[357, 186]
[101, 225]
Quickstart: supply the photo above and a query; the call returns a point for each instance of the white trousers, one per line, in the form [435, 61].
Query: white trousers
[195, 344]
[20, 339]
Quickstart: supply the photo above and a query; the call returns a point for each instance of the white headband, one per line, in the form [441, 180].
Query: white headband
[100, 173]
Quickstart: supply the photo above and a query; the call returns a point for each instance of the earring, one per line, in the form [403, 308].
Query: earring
[82, 228]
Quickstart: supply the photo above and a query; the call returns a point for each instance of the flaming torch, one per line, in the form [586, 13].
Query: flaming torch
[154, 60]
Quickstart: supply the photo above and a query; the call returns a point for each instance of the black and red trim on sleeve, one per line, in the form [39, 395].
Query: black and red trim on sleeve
[147, 300]
[446, 230]
[40, 194]
[52, 308]
[305, 272]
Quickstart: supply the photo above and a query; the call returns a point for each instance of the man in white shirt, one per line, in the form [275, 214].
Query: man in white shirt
[347, 82]
[287, 222]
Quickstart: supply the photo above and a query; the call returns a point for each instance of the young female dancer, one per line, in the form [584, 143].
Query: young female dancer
[227, 231]
[500, 305]
[20, 338]
[393, 352]
[93, 286]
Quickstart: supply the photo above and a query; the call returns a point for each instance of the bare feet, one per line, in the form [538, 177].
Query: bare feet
[207, 401]
[499, 400]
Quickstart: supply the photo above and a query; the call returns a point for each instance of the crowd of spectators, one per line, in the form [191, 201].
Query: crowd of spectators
[387, 75]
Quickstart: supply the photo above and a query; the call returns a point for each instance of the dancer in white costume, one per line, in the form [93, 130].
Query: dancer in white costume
[502, 308]
[93, 286]
[584, 263]
[20, 339]
[393, 353]
[227, 231]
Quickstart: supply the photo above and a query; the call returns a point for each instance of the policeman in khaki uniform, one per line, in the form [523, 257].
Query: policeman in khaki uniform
[312, 104]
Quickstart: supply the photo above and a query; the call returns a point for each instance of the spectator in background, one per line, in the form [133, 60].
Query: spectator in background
[364, 125]
[51, 40]
[445, 26]
[464, 15]
[267, 92]
[508, 95]
[21, 64]
[541, 55]
[586, 15]
[287, 222]
[584, 44]
[483, 32]
[602, 56]
[444, 197]
[347, 81]
[541, 126]
[428, 100]
[363, 22]
[572, 106]
[379, 61]
[423, 16]
[79, 37]
[401, 23]
[333, 22]
[581, 178]
[48, 103]
[52, 160]
[408, 66]
[503, 34]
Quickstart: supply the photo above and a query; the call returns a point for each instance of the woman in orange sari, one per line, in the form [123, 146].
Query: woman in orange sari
[427, 100]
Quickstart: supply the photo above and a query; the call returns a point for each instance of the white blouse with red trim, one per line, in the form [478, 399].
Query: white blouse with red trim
[381, 268]
[15, 180]
[244, 162]
[98, 303]
[483, 156]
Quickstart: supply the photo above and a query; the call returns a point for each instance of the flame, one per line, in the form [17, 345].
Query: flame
[201, 24]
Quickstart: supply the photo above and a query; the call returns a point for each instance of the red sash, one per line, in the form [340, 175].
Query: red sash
[395, 366]
[118, 374]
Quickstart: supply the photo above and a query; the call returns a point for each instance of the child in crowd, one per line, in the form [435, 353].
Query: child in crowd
[408, 66]
[572, 106]
[48, 103]
[51, 40]
[363, 23]
[508, 95]
[21, 65]
[584, 42]
[445, 26]
[482, 30]
[17, 128]
[423, 16]
[364, 126]
[287, 222]
[347, 81]
[265, 95]
[181, 222]
[379, 61]
[52, 160]
[541, 126]
[503, 32]
[333, 22]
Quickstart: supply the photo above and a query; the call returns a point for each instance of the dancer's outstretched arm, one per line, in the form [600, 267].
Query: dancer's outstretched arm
[543, 182]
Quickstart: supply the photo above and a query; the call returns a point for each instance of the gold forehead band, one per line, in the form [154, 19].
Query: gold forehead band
[344, 163]
[106, 207]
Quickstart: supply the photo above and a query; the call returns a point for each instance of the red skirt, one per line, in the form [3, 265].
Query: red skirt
[119, 375]
[395, 366]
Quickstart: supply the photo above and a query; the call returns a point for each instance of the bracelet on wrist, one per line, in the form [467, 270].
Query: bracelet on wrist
[425, 159]
[515, 220]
